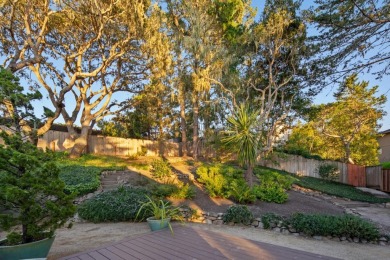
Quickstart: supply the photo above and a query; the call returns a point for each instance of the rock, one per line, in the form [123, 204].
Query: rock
[384, 239]
[349, 239]
[280, 223]
[212, 214]
[343, 238]
[231, 224]
[260, 225]
[295, 234]
[220, 215]
[364, 241]
[285, 231]
[218, 222]
[276, 229]
[387, 205]
[356, 240]
[382, 243]
[292, 230]
[212, 218]
[209, 221]
[258, 219]
[317, 237]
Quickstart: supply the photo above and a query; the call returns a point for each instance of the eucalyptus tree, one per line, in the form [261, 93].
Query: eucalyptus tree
[201, 28]
[273, 70]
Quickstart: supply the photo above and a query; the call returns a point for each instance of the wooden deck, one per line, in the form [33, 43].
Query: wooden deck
[191, 243]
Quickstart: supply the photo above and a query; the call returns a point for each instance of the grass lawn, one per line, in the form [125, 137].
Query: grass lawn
[330, 187]
[338, 189]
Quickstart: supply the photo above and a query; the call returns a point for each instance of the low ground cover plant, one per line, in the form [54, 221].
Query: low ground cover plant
[80, 180]
[117, 205]
[338, 189]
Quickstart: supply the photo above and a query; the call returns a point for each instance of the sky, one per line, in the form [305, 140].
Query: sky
[326, 95]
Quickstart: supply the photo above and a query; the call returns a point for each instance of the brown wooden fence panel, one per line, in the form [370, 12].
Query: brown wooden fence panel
[356, 175]
[385, 180]
[373, 176]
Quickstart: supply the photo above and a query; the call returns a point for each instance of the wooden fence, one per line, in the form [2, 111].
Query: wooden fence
[61, 141]
[361, 176]
[304, 167]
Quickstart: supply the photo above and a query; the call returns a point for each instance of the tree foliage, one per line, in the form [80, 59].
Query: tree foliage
[31, 191]
[345, 129]
[353, 37]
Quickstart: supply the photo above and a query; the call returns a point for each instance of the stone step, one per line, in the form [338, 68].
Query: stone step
[110, 181]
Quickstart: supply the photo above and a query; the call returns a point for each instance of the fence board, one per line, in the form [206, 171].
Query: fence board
[385, 180]
[356, 175]
[373, 176]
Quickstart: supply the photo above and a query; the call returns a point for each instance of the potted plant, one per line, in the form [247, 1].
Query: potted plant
[32, 199]
[159, 213]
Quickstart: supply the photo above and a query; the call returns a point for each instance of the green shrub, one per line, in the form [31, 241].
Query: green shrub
[216, 178]
[117, 205]
[163, 190]
[32, 198]
[270, 192]
[326, 225]
[267, 175]
[80, 179]
[240, 191]
[184, 191]
[270, 220]
[161, 169]
[328, 172]
[238, 214]
[180, 191]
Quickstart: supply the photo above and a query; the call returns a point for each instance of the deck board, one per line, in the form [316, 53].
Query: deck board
[192, 243]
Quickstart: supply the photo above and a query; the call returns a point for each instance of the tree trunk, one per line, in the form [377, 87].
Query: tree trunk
[195, 136]
[81, 142]
[249, 175]
[348, 158]
[183, 125]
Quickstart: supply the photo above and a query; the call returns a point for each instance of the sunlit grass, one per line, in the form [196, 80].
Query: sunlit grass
[386, 165]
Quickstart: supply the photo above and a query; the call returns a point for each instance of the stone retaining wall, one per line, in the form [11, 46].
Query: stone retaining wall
[212, 218]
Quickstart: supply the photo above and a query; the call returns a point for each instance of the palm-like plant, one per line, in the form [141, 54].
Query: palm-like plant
[243, 139]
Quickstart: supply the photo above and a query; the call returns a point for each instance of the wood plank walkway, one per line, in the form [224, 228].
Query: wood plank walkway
[191, 243]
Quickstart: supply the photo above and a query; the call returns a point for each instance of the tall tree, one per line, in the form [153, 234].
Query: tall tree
[353, 37]
[273, 69]
[202, 27]
[354, 117]
[26, 40]
[344, 130]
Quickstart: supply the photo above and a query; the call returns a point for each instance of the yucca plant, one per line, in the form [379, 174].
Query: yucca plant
[243, 139]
